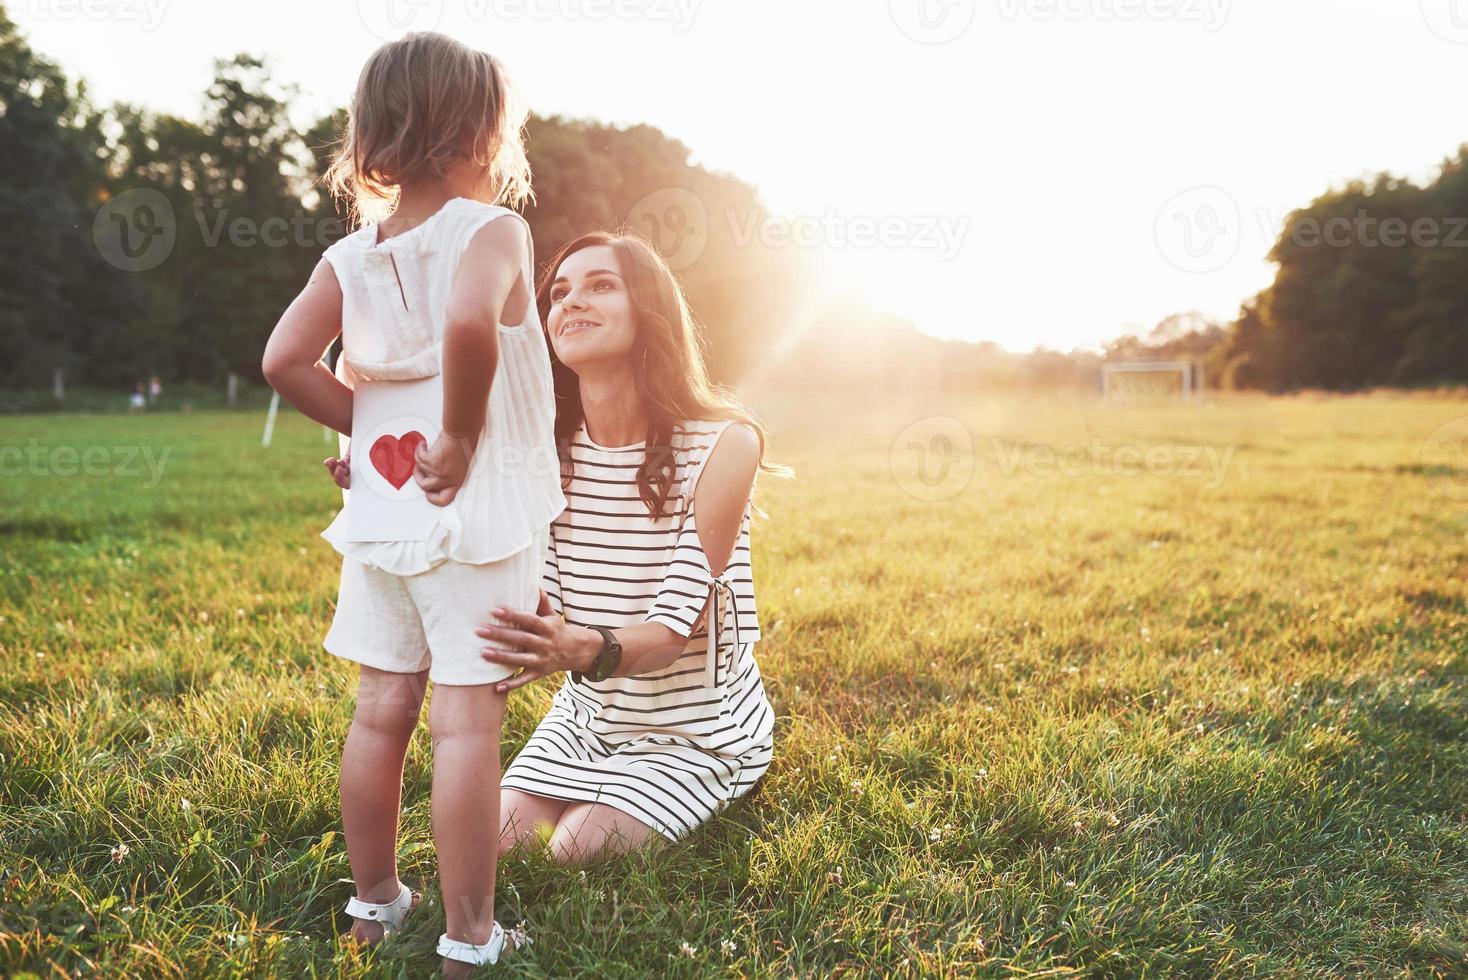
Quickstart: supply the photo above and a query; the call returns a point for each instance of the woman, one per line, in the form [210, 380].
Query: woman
[658, 468]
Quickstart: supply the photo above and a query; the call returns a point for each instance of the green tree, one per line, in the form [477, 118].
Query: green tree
[57, 298]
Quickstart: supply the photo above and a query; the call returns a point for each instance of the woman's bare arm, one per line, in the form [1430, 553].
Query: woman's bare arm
[543, 643]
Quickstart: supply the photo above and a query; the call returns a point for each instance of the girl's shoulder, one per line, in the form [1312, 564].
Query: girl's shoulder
[354, 242]
[464, 217]
[450, 228]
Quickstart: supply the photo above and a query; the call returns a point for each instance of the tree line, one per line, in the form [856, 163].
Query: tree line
[141, 243]
[145, 244]
[1371, 289]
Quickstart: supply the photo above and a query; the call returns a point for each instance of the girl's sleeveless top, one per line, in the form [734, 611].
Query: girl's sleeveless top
[394, 300]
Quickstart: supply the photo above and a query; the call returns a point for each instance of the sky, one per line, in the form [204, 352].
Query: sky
[1029, 172]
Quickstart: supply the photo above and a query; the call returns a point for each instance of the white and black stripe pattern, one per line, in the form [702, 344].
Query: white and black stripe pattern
[667, 747]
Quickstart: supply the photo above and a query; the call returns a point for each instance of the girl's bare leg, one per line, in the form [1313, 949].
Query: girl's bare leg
[465, 723]
[372, 781]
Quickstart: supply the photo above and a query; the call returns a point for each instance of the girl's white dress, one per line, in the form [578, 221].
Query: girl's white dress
[394, 297]
[413, 605]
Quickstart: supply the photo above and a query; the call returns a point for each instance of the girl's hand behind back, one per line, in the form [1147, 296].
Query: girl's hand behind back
[443, 467]
[340, 470]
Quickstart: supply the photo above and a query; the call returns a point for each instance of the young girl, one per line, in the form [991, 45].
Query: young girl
[440, 287]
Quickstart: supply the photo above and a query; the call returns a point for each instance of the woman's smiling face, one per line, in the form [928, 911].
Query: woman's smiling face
[590, 314]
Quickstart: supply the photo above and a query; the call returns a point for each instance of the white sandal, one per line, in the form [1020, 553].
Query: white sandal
[389, 914]
[454, 949]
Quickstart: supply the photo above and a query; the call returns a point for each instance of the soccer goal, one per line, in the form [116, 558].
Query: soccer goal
[1137, 380]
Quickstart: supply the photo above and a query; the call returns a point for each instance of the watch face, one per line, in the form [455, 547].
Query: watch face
[606, 664]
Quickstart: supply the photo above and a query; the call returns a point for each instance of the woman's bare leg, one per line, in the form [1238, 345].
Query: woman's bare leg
[465, 723]
[591, 830]
[371, 783]
[524, 815]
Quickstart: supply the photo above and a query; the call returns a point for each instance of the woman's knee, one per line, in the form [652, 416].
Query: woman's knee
[589, 831]
[526, 819]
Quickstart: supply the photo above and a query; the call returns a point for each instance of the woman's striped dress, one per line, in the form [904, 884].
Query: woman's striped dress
[673, 746]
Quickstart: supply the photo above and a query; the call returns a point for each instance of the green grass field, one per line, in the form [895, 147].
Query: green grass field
[1201, 713]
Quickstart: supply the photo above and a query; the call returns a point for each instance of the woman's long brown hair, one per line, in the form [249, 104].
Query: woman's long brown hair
[667, 363]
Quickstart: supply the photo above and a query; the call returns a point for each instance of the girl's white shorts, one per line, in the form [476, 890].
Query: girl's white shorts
[407, 623]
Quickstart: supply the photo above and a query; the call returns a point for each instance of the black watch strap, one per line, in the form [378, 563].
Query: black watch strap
[606, 661]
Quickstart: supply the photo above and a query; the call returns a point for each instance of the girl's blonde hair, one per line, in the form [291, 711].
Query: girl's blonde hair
[423, 103]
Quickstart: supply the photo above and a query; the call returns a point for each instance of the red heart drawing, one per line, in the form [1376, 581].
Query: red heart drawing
[393, 456]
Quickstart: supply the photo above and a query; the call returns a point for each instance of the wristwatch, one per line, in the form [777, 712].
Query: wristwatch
[606, 662]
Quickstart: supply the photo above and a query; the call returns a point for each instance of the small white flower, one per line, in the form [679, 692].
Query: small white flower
[1070, 884]
[119, 852]
[727, 946]
[687, 950]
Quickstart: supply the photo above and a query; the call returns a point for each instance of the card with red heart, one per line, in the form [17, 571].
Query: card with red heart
[393, 418]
